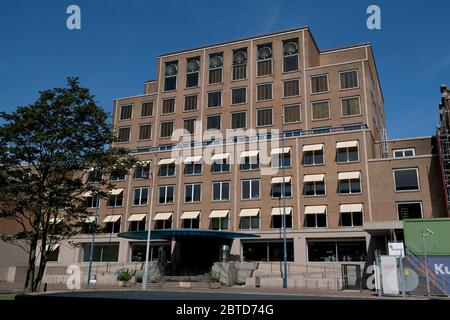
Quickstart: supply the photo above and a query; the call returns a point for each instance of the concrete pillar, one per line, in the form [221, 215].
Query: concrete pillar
[300, 254]
[124, 249]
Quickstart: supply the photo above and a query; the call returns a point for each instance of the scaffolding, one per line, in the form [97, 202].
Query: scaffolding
[443, 143]
[384, 143]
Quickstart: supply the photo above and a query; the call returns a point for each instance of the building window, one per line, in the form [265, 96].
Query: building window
[213, 122]
[349, 79]
[250, 189]
[142, 171]
[138, 225]
[221, 191]
[350, 107]
[214, 99]
[313, 158]
[166, 194]
[170, 76]
[349, 186]
[292, 114]
[94, 175]
[402, 153]
[215, 68]
[264, 117]
[280, 160]
[263, 92]
[315, 188]
[238, 95]
[347, 154]
[332, 251]
[291, 88]
[163, 224]
[102, 252]
[290, 55]
[192, 72]
[277, 189]
[267, 250]
[316, 220]
[320, 110]
[140, 196]
[126, 112]
[319, 83]
[92, 202]
[409, 210]
[167, 170]
[406, 179]
[264, 62]
[166, 129]
[219, 223]
[189, 125]
[124, 134]
[250, 163]
[220, 166]
[113, 226]
[277, 220]
[239, 64]
[193, 168]
[117, 176]
[190, 103]
[147, 109]
[145, 132]
[238, 120]
[168, 106]
[249, 223]
[191, 223]
[192, 192]
[351, 219]
[115, 200]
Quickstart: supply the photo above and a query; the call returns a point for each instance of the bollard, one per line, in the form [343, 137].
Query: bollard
[257, 282]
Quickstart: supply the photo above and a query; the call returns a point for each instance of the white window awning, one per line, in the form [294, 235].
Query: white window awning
[57, 220]
[87, 194]
[313, 147]
[349, 175]
[220, 156]
[313, 177]
[249, 212]
[162, 216]
[347, 144]
[167, 161]
[278, 180]
[315, 209]
[143, 163]
[137, 217]
[89, 219]
[250, 154]
[115, 192]
[190, 215]
[278, 211]
[52, 248]
[356, 207]
[277, 151]
[219, 213]
[193, 159]
[112, 218]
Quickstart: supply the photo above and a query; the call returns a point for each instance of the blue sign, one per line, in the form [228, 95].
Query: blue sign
[438, 274]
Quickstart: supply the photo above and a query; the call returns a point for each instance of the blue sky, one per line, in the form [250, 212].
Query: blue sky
[116, 49]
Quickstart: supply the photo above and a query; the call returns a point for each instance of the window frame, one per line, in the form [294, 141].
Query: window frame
[281, 196]
[140, 196]
[357, 79]
[349, 187]
[409, 202]
[145, 125]
[292, 105]
[211, 92]
[260, 85]
[231, 119]
[196, 102]
[160, 129]
[271, 117]
[329, 110]
[315, 189]
[239, 88]
[317, 76]
[220, 190]
[406, 169]
[153, 108]
[129, 134]
[299, 87]
[220, 121]
[342, 107]
[192, 185]
[174, 105]
[250, 189]
[131, 113]
[347, 152]
[316, 220]
[314, 158]
[166, 187]
[403, 150]
[352, 220]
[250, 222]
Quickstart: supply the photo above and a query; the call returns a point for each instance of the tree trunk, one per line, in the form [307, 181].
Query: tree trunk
[29, 280]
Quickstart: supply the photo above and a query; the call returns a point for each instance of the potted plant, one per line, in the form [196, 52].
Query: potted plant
[214, 280]
[124, 278]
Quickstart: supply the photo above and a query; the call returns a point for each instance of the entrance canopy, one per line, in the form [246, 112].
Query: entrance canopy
[179, 233]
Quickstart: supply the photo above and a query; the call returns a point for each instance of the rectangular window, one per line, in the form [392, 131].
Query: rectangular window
[124, 134]
[189, 125]
[239, 64]
[142, 171]
[349, 79]
[239, 120]
[314, 188]
[166, 129]
[220, 166]
[409, 210]
[145, 132]
[117, 176]
[168, 106]
[250, 189]
[221, 191]
[272, 250]
[313, 158]
[332, 251]
[92, 202]
[214, 99]
[163, 224]
[277, 190]
[167, 170]
[277, 221]
[170, 76]
[291, 88]
[192, 72]
[406, 179]
[351, 219]
[166, 194]
[126, 112]
[190, 103]
[347, 155]
[349, 186]
[213, 122]
[238, 95]
[115, 200]
[264, 62]
[140, 196]
[250, 163]
[320, 110]
[281, 160]
[249, 223]
[319, 84]
[192, 168]
[318, 220]
[215, 68]
[102, 252]
[263, 92]
[350, 107]
[192, 192]
[219, 223]
[402, 153]
[292, 114]
[264, 117]
[147, 109]
[290, 55]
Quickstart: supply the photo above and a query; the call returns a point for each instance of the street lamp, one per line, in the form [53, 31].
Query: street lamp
[426, 233]
[149, 227]
[96, 198]
[283, 193]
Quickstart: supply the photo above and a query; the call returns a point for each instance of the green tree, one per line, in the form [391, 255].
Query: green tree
[47, 149]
